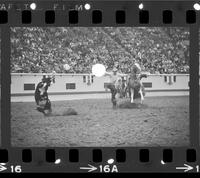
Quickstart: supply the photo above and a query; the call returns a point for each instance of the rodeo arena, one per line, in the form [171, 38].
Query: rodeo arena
[99, 86]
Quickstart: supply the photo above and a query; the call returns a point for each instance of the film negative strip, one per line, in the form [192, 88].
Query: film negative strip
[99, 86]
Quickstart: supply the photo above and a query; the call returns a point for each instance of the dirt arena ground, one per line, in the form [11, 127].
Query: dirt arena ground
[163, 122]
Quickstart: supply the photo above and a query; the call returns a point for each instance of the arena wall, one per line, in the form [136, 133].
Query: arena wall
[23, 85]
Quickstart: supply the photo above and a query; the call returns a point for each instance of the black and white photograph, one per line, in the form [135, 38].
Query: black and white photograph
[199, 84]
[0, 88]
[99, 86]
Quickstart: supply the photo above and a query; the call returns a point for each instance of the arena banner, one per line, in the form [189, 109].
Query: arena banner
[99, 86]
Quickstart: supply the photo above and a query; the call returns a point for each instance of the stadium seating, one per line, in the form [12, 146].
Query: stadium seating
[157, 50]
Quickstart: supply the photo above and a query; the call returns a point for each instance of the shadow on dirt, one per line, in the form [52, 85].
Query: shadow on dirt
[67, 112]
[129, 105]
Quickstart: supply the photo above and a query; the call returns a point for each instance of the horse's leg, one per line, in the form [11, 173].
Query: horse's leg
[117, 93]
[126, 92]
[132, 95]
[129, 92]
[117, 96]
[141, 94]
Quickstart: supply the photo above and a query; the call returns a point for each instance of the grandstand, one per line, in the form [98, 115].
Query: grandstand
[43, 50]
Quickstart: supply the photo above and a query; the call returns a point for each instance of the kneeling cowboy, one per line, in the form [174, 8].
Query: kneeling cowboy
[41, 95]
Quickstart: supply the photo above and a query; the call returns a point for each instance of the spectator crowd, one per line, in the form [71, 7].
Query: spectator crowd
[158, 50]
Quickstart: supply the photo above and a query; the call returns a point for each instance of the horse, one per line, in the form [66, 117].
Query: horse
[131, 88]
[135, 87]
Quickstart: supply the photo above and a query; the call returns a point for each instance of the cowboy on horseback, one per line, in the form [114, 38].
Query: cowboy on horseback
[136, 89]
[115, 84]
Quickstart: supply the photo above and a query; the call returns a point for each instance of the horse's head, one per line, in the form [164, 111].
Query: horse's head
[135, 71]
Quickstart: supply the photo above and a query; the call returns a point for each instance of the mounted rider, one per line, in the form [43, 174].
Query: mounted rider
[136, 76]
[136, 71]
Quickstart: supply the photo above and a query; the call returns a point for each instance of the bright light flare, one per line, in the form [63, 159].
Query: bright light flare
[197, 6]
[110, 161]
[58, 161]
[141, 6]
[162, 162]
[98, 70]
[87, 6]
[33, 6]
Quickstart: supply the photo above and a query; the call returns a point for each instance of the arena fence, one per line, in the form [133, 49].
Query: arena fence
[79, 85]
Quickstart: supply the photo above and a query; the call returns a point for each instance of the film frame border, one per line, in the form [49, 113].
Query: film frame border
[41, 162]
